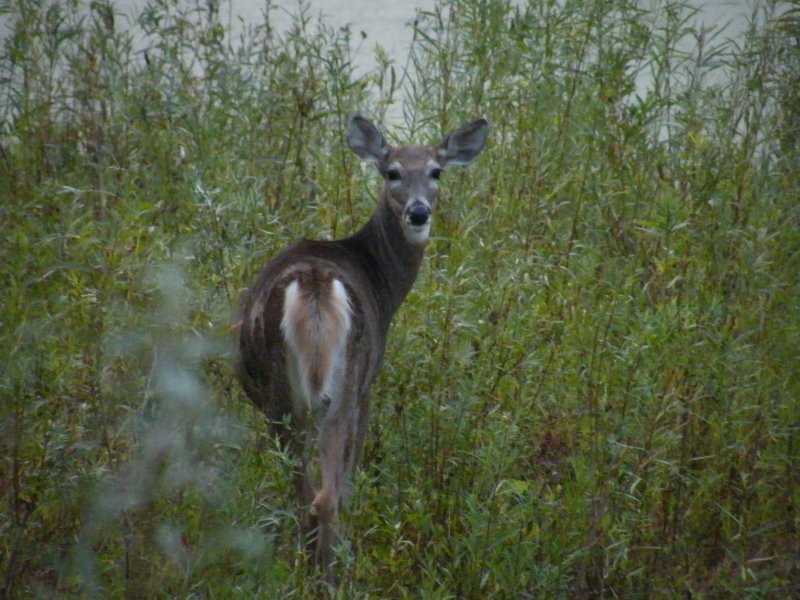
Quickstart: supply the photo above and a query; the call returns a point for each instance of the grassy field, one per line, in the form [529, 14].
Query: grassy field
[592, 391]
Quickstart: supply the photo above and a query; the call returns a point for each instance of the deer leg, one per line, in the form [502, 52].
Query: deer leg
[298, 441]
[361, 431]
[335, 441]
[354, 447]
[304, 483]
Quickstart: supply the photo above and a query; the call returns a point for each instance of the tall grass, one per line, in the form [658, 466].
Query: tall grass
[591, 391]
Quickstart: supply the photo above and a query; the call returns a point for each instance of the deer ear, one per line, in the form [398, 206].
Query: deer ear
[364, 139]
[463, 145]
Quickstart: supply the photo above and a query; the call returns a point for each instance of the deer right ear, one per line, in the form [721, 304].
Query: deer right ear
[364, 139]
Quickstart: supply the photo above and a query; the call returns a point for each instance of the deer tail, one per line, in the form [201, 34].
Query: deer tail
[316, 324]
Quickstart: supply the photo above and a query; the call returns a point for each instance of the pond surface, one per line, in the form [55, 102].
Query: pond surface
[389, 23]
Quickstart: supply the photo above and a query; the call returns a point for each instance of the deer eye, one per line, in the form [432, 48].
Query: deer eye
[393, 174]
[436, 173]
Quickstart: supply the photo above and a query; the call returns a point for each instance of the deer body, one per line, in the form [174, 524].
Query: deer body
[314, 325]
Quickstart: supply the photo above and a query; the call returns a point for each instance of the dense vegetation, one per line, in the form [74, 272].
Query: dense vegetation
[592, 390]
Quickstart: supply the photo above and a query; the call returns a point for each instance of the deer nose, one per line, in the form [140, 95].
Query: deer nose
[418, 214]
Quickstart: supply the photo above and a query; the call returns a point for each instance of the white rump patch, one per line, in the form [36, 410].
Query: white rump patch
[316, 326]
[341, 320]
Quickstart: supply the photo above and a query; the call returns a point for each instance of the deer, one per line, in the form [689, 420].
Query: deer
[313, 327]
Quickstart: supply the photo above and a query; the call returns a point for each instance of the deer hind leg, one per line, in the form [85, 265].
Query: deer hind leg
[335, 448]
[340, 442]
[304, 483]
[362, 426]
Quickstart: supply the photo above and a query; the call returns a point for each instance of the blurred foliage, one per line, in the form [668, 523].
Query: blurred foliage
[591, 390]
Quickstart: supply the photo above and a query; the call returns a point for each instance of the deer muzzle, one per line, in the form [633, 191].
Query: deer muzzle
[418, 214]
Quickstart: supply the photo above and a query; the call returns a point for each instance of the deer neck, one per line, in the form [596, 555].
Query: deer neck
[391, 261]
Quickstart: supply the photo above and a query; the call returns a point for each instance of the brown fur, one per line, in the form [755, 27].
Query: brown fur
[308, 357]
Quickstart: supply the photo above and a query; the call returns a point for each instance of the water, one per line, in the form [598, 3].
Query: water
[389, 23]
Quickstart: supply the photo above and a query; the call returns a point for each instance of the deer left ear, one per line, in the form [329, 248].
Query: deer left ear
[463, 145]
